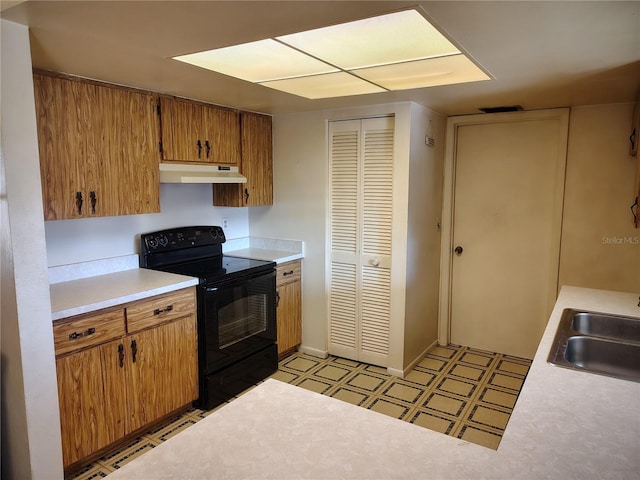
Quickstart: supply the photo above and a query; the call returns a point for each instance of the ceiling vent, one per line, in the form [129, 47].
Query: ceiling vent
[509, 108]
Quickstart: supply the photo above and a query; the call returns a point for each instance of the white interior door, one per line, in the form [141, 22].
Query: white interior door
[507, 203]
[361, 175]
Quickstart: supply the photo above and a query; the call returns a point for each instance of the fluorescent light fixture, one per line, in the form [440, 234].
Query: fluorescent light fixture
[396, 37]
[331, 85]
[259, 61]
[396, 51]
[424, 73]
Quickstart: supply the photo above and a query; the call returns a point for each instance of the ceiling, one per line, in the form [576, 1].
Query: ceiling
[542, 53]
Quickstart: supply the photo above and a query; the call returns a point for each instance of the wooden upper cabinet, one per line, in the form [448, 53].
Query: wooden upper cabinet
[66, 143]
[200, 133]
[222, 136]
[97, 149]
[256, 164]
[180, 123]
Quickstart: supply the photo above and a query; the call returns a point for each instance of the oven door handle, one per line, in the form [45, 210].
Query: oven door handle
[211, 289]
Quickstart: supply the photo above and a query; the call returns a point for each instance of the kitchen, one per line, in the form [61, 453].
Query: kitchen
[299, 161]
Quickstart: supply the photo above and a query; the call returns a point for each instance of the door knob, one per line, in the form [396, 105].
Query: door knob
[458, 250]
[375, 262]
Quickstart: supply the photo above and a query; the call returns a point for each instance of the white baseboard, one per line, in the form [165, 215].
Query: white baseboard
[403, 373]
[315, 352]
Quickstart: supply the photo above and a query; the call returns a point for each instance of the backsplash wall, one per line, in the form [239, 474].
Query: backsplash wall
[73, 241]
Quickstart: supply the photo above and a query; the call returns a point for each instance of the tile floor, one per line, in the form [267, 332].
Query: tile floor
[465, 393]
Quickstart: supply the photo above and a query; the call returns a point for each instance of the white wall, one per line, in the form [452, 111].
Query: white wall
[72, 241]
[423, 238]
[299, 211]
[31, 446]
[600, 247]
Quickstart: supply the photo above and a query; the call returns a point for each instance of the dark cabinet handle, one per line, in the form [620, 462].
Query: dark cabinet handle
[635, 211]
[92, 196]
[79, 202]
[74, 335]
[246, 195]
[290, 272]
[459, 250]
[199, 145]
[121, 355]
[208, 147]
[134, 350]
[158, 311]
[277, 298]
[632, 139]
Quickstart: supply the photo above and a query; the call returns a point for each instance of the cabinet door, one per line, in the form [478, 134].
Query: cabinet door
[181, 125]
[66, 143]
[256, 164]
[289, 317]
[97, 149]
[221, 136]
[91, 392]
[163, 371]
[127, 181]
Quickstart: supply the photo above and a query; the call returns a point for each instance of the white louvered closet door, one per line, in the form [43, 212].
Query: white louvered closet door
[361, 176]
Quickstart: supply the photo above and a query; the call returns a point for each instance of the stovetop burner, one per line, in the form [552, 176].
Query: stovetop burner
[196, 252]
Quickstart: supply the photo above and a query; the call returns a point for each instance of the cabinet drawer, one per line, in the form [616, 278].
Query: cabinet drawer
[161, 308]
[288, 272]
[88, 330]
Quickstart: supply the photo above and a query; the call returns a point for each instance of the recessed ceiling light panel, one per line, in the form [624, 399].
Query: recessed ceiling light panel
[396, 51]
[258, 61]
[424, 73]
[339, 84]
[395, 37]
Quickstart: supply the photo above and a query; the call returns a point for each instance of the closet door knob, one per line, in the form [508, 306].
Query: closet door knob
[459, 250]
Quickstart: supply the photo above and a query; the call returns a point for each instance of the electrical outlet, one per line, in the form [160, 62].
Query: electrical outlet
[225, 223]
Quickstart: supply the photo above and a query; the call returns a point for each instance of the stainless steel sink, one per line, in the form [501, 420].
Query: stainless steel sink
[625, 329]
[598, 343]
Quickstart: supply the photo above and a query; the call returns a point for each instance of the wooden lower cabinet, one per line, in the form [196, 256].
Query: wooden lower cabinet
[289, 309]
[163, 377]
[109, 390]
[90, 399]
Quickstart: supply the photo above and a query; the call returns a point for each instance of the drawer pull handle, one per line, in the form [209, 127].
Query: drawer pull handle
[134, 350]
[158, 311]
[74, 335]
[121, 355]
[277, 298]
[290, 272]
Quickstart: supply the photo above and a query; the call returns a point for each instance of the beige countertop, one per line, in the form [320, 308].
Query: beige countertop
[269, 249]
[566, 424]
[278, 256]
[93, 293]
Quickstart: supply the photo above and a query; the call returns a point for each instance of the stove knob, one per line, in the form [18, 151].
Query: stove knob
[152, 242]
[163, 240]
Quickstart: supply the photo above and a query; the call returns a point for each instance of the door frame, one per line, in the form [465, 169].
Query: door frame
[448, 202]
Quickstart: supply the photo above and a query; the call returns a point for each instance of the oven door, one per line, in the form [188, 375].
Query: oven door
[237, 318]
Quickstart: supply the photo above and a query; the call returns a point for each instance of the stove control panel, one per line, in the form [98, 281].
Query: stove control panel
[181, 238]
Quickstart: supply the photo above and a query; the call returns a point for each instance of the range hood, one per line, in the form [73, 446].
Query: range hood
[181, 173]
